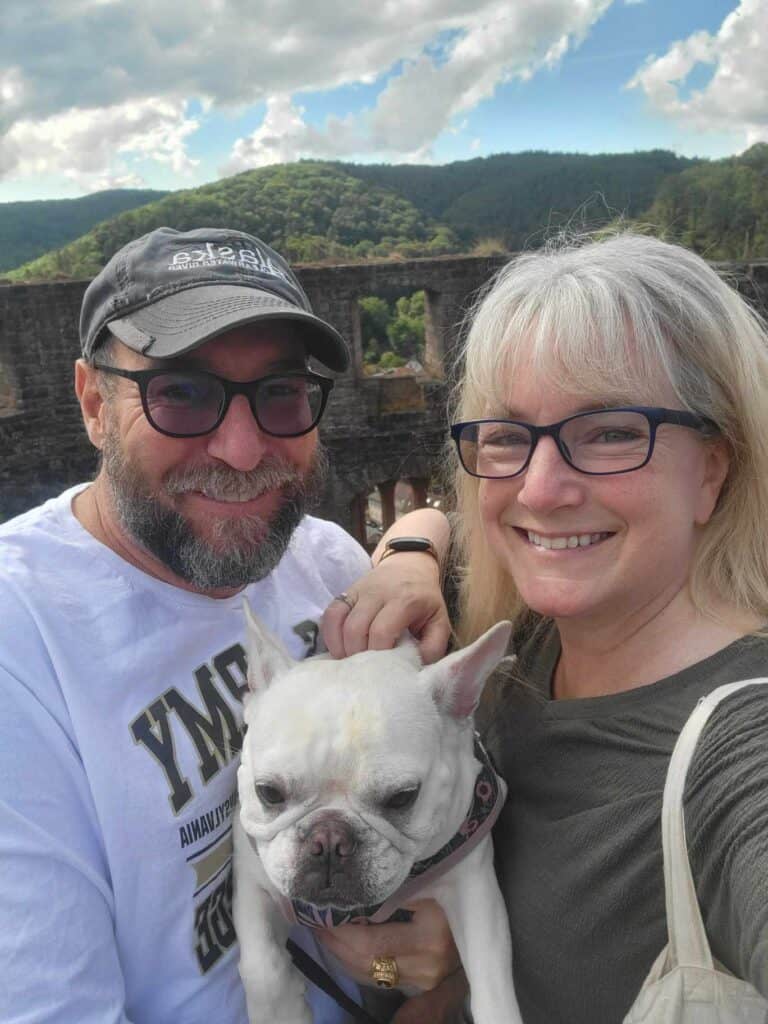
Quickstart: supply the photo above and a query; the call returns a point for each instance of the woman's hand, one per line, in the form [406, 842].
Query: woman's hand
[426, 958]
[442, 1005]
[402, 592]
[423, 947]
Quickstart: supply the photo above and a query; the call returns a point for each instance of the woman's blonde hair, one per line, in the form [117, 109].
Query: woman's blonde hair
[604, 318]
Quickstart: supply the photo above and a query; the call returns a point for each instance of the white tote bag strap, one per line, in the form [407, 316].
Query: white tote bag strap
[687, 939]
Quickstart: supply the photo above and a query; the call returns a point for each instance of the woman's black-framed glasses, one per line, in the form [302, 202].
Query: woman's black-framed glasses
[599, 443]
[190, 403]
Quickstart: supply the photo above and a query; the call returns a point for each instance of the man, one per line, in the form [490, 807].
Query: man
[121, 664]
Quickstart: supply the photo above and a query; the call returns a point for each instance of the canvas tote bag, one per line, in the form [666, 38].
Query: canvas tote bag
[685, 985]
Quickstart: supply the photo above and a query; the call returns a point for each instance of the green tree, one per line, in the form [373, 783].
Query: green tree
[406, 330]
[391, 361]
[719, 208]
[375, 318]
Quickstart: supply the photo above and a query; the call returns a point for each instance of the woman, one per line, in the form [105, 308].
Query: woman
[612, 432]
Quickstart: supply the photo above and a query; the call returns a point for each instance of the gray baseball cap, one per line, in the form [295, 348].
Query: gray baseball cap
[169, 291]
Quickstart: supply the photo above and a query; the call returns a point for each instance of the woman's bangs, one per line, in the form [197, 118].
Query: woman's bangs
[584, 362]
[571, 355]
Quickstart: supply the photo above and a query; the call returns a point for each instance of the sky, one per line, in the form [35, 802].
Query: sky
[99, 94]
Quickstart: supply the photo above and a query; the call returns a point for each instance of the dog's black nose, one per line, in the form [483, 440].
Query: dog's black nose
[332, 839]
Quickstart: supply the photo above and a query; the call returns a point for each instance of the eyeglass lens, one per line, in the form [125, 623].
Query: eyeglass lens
[608, 441]
[190, 403]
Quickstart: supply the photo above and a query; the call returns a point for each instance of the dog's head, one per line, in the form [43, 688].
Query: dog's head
[352, 769]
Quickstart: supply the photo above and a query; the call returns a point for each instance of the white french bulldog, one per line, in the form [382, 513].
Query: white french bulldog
[361, 783]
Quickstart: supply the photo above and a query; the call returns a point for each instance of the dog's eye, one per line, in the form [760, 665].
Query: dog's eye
[402, 799]
[270, 796]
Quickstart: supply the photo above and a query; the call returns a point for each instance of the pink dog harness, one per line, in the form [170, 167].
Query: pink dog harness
[488, 798]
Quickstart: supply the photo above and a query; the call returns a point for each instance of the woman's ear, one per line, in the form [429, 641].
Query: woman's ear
[91, 399]
[716, 466]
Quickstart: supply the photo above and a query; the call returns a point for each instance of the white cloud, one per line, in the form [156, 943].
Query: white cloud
[284, 135]
[84, 144]
[491, 42]
[78, 67]
[736, 96]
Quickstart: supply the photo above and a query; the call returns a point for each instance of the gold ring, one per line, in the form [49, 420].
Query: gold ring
[384, 971]
[344, 596]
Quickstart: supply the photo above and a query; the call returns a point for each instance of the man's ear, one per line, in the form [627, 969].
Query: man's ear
[91, 400]
[267, 657]
[457, 681]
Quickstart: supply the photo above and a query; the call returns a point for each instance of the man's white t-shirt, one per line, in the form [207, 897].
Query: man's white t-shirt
[120, 711]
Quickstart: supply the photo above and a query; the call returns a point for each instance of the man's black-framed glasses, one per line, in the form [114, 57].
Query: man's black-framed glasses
[189, 403]
[599, 443]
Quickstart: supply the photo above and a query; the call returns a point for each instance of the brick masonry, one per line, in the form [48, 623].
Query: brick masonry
[376, 429]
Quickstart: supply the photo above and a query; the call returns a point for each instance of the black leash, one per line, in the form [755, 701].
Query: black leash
[315, 973]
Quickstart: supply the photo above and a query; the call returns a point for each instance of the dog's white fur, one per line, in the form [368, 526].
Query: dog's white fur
[336, 739]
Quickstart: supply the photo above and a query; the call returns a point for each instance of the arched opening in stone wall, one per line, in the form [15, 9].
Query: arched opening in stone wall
[373, 512]
[398, 333]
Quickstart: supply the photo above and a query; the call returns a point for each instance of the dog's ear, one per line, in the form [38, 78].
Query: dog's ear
[457, 681]
[267, 657]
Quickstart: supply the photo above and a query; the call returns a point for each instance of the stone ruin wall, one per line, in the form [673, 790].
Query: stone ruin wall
[377, 430]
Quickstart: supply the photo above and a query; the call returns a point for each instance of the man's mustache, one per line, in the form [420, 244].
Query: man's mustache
[222, 483]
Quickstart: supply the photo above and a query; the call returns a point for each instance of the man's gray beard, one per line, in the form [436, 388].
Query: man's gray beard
[241, 550]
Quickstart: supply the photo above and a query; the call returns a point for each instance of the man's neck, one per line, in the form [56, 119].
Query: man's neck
[95, 511]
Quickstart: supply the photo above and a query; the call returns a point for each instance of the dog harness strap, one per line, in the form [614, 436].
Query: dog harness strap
[313, 972]
[488, 799]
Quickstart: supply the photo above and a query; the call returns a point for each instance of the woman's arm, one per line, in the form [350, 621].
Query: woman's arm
[726, 815]
[422, 522]
[401, 592]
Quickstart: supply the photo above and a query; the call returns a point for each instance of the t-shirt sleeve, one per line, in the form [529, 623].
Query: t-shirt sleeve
[726, 809]
[57, 938]
[339, 558]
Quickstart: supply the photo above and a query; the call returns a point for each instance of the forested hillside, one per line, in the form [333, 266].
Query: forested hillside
[28, 229]
[331, 211]
[309, 211]
[518, 198]
[720, 209]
